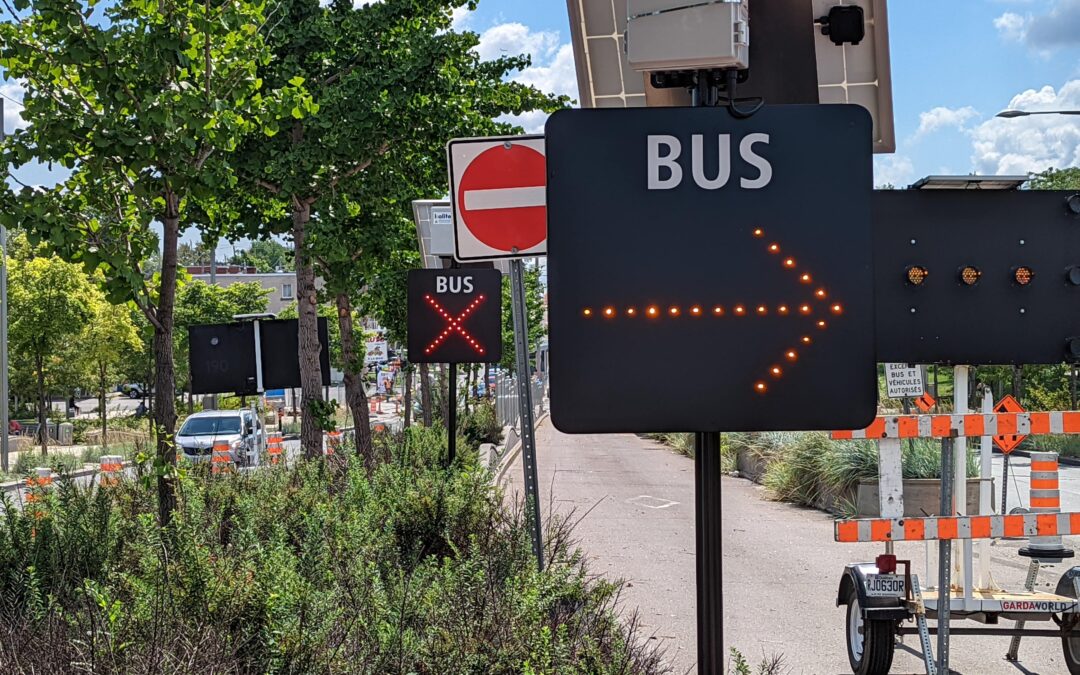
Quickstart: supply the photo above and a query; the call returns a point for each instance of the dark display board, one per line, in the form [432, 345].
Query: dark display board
[933, 235]
[222, 356]
[455, 316]
[710, 273]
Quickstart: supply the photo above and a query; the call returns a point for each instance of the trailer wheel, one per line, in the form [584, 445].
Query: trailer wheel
[1070, 650]
[870, 644]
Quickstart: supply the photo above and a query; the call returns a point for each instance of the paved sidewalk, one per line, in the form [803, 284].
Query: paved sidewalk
[781, 566]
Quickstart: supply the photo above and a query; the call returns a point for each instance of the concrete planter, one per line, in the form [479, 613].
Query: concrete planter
[922, 497]
[750, 466]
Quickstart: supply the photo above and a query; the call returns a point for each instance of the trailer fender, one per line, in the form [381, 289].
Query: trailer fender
[1065, 585]
[854, 578]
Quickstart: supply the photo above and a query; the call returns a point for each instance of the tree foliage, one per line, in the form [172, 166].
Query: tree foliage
[266, 255]
[49, 304]
[142, 102]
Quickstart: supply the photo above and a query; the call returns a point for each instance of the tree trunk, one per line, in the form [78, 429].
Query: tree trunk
[102, 375]
[425, 394]
[43, 420]
[307, 305]
[354, 383]
[164, 369]
[408, 395]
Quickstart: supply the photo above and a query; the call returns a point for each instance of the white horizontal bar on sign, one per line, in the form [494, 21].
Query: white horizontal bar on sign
[505, 198]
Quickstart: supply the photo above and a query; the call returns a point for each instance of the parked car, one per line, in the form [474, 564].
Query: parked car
[131, 390]
[239, 429]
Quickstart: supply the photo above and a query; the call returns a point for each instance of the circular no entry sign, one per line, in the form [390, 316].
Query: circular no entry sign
[499, 197]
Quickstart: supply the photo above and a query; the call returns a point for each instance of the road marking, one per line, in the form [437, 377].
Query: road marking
[651, 502]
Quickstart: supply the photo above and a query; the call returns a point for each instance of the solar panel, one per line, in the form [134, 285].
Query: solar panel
[859, 74]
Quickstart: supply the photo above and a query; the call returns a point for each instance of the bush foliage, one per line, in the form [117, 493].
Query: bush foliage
[317, 568]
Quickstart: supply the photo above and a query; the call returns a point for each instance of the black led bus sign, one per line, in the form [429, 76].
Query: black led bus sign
[709, 273]
[455, 316]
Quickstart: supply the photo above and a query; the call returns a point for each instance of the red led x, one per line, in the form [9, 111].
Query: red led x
[454, 324]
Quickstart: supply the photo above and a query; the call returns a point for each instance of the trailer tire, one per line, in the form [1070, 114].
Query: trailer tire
[870, 653]
[1070, 651]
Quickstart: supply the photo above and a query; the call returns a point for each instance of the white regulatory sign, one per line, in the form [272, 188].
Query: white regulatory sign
[442, 215]
[904, 380]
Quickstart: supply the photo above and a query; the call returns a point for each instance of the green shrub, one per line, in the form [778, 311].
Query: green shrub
[315, 568]
[59, 462]
[480, 425]
[802, 468]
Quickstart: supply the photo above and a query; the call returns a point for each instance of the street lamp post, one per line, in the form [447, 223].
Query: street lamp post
[1010, 114]
[4, 422]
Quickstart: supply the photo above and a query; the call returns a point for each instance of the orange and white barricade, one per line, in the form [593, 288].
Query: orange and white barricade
[110, 471]
[333, 442]
[1045, 499]
[220, 459]
[967, 425]
[275, 449]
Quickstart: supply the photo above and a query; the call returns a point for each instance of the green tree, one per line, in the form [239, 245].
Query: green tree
[142, 101]
[1056, 179]
[193, 254]
[534, 314]
[109, 340]
[49, 306]
[390, 83]
[266, 255]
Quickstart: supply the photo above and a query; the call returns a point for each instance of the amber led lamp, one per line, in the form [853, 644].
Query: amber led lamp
[1023, 275]
[970, 275]
[916, 275]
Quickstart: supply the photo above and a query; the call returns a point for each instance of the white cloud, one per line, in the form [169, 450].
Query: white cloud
[1028, 144]
[460, 18]
[895, 170]
[552, 68]
[942, 117]
[512, 39]
[12, 90]
[1012, 26]
[1060, 26]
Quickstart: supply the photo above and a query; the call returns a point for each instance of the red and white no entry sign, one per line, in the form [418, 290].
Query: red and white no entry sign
[498, 191]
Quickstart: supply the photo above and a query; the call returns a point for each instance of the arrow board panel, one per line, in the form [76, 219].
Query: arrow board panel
[709, 273]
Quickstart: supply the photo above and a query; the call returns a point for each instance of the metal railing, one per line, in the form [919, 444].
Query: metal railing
[507, 410]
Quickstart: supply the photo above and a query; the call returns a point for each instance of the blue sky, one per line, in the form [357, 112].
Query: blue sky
[955, 63]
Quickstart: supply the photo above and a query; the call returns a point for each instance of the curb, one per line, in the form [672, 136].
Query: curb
[15, 485]
[513, 452]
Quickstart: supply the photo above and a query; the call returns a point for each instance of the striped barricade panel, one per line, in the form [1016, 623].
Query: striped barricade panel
[274, 448]
[220, 460]
[958, 527]
[977, 424]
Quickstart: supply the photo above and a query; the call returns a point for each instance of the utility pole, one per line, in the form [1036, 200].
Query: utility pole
[4, 397]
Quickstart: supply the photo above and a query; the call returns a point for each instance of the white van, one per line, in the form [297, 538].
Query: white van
[238, 428]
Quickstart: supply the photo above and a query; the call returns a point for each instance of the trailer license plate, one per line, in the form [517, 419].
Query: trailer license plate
[885, 586]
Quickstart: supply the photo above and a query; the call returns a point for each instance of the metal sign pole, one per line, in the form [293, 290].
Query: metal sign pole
[944, 590]
[1004, 483]
[709, 549]
[524, 392]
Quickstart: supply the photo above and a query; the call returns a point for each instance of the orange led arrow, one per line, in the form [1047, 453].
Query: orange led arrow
[805, 310]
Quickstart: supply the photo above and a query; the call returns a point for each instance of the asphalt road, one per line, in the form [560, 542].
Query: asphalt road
[634, 499]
